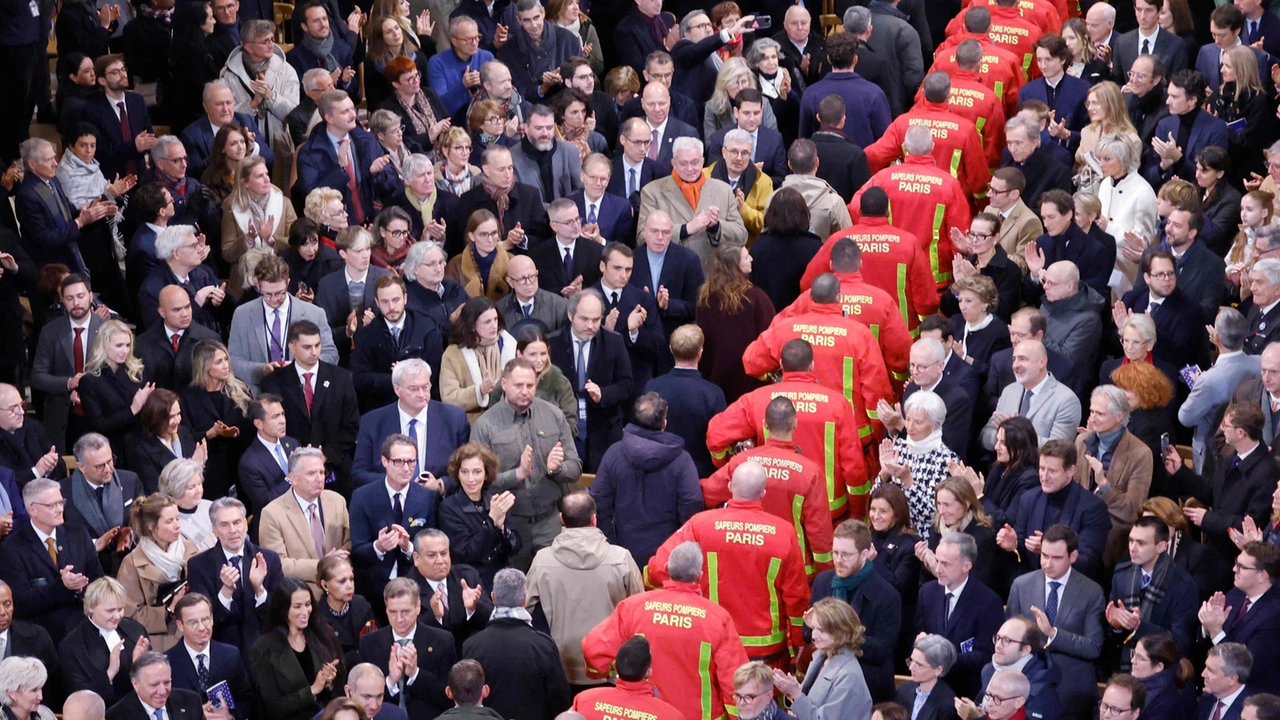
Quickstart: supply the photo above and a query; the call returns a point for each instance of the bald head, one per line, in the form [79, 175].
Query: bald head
[520, 266]
[175, 307]
[1061, 280]
[1030, 363]
[84, 705]
[749, 481]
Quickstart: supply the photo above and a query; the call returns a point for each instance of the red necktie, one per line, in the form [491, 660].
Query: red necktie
[1244, 608]
[1217, 710]
[174, 340]
[307, 393]
[77, 350]
[126, 134]
[356, 207]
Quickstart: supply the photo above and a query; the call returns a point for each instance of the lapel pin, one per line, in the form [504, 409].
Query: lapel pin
[326, 383]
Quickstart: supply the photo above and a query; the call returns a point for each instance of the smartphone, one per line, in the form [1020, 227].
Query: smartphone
[1164, 445]
[302, 288]
[762, 22]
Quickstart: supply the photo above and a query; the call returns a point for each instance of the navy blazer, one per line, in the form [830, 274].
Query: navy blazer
[49, 231]
[334, 418]
[1126, 48]
[650, 343]
[1180, 335]
[1207, 130]
[681, 276]
[1083, 512]
[113, 150]
[1090, 256]
[182, 705]
[261, 477]
[376, 350]
[975, 620]
[691, 403]
[615, 218]
[1174, 614]
[198, 138]
[447, 430]
[1204, 710]
[1209, 64]
[140, 259]
[224, 664]
[770, 149]
[618, 181]
[1260, 632]
[318, 167]
[939, 705]
[1268, 32]
[209, 315]
[1069, 105]
[548, 257]
[609, 366]
[38, 592]
[242, 624]
[303, 60]
[371, 511]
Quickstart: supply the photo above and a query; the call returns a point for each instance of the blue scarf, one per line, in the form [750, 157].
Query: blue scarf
[845, 588]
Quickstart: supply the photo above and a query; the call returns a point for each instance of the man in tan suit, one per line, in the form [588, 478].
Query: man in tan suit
[1115, 465]
[1019, 225]
[308, 522]
[715, 219]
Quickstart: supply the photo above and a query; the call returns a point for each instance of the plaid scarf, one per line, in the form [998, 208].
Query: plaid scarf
[502, 198]
[1134, 594]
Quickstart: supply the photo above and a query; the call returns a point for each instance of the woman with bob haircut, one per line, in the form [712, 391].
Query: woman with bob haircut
[98, 653]
[474, 516]
[833, 688]
[163, 438]
[22, 682]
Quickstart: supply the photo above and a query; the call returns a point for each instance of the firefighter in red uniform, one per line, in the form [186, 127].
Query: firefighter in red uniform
[695, 645]
[865, 303]
[1041, 13]
[892, 259]
[796, 492]
[957, 148]
[632, 698]
[923, 200]
[825, 424]
[1000, 69]
[972, 100]
[846, 355]
[753, 568]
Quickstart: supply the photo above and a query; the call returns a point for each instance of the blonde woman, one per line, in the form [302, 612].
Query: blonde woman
[325, 208]
[1086, 65]
[153, 573]
[960, 510]
[1243, 99]
[734, 76]
[1107, 116]
[472, 365]
[112, 390]
[255, 215]
[457, 174]
[183, 480]
[86, 651]
[215, 406]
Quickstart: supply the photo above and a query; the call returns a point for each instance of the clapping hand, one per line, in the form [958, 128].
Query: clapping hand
[1120, 313]
[593, 390]
[890, 415]
[525, 469]
[1121, 618]
[1034, 256]
[329, 671]
[1248, 533]
[1033, 541]
[499, 506]
[99, 543]
[1214, 613]
[471, 595]
[1007, 538]
[422, 24]
[1134, 245]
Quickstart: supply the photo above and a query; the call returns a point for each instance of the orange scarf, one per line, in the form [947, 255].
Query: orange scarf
[692, 191]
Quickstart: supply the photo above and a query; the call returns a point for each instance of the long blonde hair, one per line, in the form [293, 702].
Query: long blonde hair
[98, 352]
[731, 71]
[1245, 65]
[202, 357]
[240, 195]
[964, 494]
[1115, 117]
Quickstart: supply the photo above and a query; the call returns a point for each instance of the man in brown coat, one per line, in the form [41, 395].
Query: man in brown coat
[1117, 466]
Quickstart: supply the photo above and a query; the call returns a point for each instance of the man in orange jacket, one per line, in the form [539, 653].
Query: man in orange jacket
[753, 568]
[1000, 69]
[633, 695]
[846, 355]
[956, 145]
[693, 640]
[865, 303]
[972, 100]
[795, 492]
[825, 423]
[923, 200]
[892, 259]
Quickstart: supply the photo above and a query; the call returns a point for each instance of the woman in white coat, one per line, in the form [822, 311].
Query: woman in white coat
[833, 687]
[1128, 204]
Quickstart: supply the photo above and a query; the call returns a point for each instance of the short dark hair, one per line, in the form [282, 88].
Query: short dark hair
[1061, 200]
[747, 95]
[842, 48]
[1137, 691]
[1192, 82]
[613, 248]
[780, 415]
[1057, 47]
[788, 213]
[466, 682]
[874, 203]
[650, 412]
[74, 279]
[1247, 417]
[831, 110]
[1149, 258]
[1214, 158]
[258, 406]
[189, 600]
[846, 256]
[149, 200]
[802, 156]
[300, 328]
[1062, 449]
[577, 509]
[1265, 706]
[936, 322]
[1228, 17]
[1012, 177]
[633, 659]
[395, 439]
[1157, 526]
[1062, 533]
[1267, 557]
[797, 356]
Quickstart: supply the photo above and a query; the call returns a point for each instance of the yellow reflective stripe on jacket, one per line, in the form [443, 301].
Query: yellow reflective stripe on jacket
[704, 678]
[829, 458]
[939, 215]
[713, 577]
[797, 505]
[901, 281]
[982, 122]
[955, 163]
[846, 379]
[776, 635]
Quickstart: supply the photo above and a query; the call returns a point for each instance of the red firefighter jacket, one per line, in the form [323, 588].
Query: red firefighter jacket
[625, 701]
[957, 148]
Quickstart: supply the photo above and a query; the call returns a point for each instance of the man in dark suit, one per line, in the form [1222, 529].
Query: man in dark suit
[362, 174]
[179, 250]
[1178, 318]
[198, 662]
[422, 654]
[699, 40]
[605, 216]
[1226, 670]
[1199, 269]
[635, 36]
[1187, 130]
[124, 126]
[671, 274]
[165, 347]
[349, 296]
[840, 162]
[1060, 500]
[877, 603]
[1063, 94]
[525, 218]
[1064, 240]
[385, 515]
[630, 312]
[529, 303]
[319, 401]
[928, 360]
[1227, 26]
[596, 361]
[572, 262]
[16, 282]
[265, 463]
[398, 335]
[99, 497]
[804, 47]
[1250, 613]
[660, 68]
[1068, 610]
[1026, 324]
[1020, 638]
[1261, 26]
[767, 145]
[663, 127]
[1025, 151]
[451, 593]
[153, 691]
[1148, 39]
[48, 564]
[220, 111]
[1145, 98]
[436, 428]
[25, 447]
[28, 640]
[632, 168]
[1149, 593]
[62, 352]
[225, 571]
[324, 47]
[691, 400]
[968, 619]
[51, 227]
[1264, 312]
[953, 368]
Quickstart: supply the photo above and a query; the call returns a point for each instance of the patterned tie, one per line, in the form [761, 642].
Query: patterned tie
[308, 393]
[77, 350]
[591, 214]
[53, 551]
[126, 134]
[1051, 605]
[277, 347]
[317, 531]
[202, 673]
[443, 591]
[175, 340]
[284, 462]
[653, 146]
[413, 435]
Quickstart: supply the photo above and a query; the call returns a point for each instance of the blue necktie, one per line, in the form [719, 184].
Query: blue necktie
[277, 348]
[591, 215]
[395, 335]
[631, 184]
[284, 462]
[413, 435]
[1051, 605]
[582, 393]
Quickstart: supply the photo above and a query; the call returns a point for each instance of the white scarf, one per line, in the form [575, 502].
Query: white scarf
[169, 562]
[923, 447]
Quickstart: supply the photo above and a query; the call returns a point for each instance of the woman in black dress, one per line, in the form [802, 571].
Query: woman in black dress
[1152, 411]
[960, 511]
[216, 406]
[162, 438]
[308, 259]
[111, 391]
[474, 517]
[348, 614]
[895, 558]
[414, 104]
[985, 257]
[297, 662]
[1016, 470]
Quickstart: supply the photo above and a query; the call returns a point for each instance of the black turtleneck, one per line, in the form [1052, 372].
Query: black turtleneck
[543, 159]
[1185, 122]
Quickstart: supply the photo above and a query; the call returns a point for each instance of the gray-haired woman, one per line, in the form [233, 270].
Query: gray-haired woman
[931, 658]
[919, 460]
[183, 480]
[22, 682]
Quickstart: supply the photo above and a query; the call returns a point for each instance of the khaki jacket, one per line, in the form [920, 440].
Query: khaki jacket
[663, 194]
[284, 529]
[1020, 228]
[141, 580]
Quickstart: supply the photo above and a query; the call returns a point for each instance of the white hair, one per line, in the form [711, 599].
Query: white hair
[170, 239]
[930, 403]
[686, 143]
[405, 369]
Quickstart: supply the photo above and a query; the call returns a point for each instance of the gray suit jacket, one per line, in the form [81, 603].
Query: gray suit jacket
[53, 367]
[1080, 636]
[549, 309]
[248, 342]
[834, 691]
[1211, 393]
[566, 171]
[1054, 411]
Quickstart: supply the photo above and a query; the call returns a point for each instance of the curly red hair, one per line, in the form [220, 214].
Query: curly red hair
[1151, 386]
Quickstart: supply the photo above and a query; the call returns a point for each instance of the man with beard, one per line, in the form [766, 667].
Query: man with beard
[120, 153]
[61, 355]
[544, 161]
[535, 51]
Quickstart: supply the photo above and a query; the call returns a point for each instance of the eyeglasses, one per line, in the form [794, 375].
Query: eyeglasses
[279, 295]
[488, 235]
[402, 462]
[837, 555]
[1238, 567]
[570, 221]
[524, 279]
[199, 622]
[54, 505]
[1167, 275]
[15, 409]
[743, 698]
[176, 160]
[467, 40]
[978, 236]
[915, 367]
[996, 699]
[913, 663]
[737, 153]
[1130, 342]
[1107, 708]
[706, 25]
[991, 190]
[1138, 77]
[401, 234]
[1005, 640]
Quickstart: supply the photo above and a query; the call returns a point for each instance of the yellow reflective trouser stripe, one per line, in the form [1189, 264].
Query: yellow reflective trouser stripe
[982, 122]
[829, 456]
[797, 502]
[902, 293]
[939, 214]
[704, 677]
[955, 163]
[775, 621]
[846, 379]
[713, 577]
